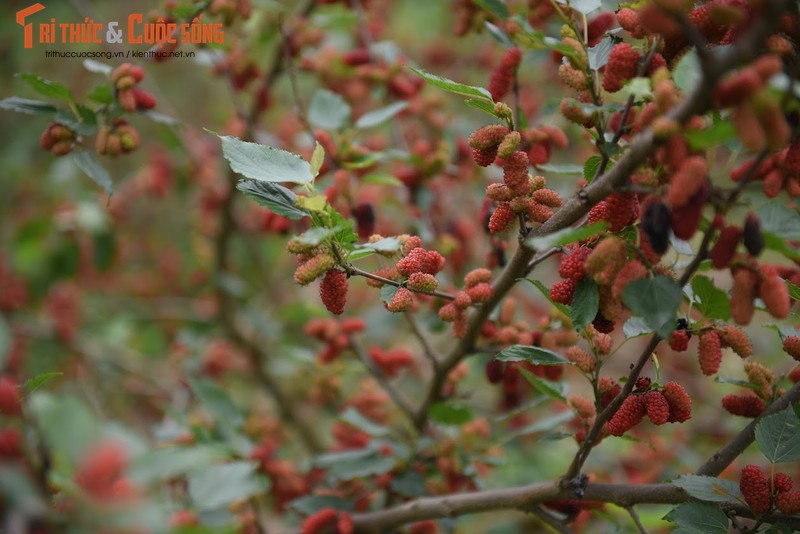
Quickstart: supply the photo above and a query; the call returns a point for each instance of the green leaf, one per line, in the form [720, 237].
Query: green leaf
[711, 301]
[6, 339]
[26, 105]
[717, 134]
[590, 167]
[794, 292]
[562, 168]
[101, 94]
[387, 244]
[381, 178]
[779, 220]
[698, 518]
[86, 124]
[219, 486]
[39, 380]
[737, 382]
[353, 417]
[167, 463]
[328, 110]
[104, 247]
[563, 308]
[216, 401]
[478, 93]
[499, 35]
[409, 484]
[656, 300]
[483, 105]
[784, 247]
[317, 159]
[355, 464]
[18, 492]
[448, 413]
[635, 327]
[92, 168]
[585, 6]
[687, 72]
[545, 425]
[315, 236]
[598, 54]
[277, 198]
[534, 355]
[566, 236]
[552, 389]
[67, 425]
[778, 436]
[379, 116]
[161, 118]
[312, 504]
[585, 303]
[387, 292]
[265, 163]
[497, 8]
[47, 88]
[707, 488]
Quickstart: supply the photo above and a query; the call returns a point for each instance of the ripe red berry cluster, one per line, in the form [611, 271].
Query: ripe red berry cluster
[751, 281]
[328, 521]
[58, 139]
[335, 334]
[670, 404]
[502, 77]
[621, 67]
[760, 494]
[391, 362]
[125, 80]
[778, 172]
[119, 138]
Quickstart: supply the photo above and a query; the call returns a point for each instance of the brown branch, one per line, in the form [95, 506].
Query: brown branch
[222, 259]
[525, 498]
[641, 147]
[427, 348]
[379, 377]
[355, 271]
[731, 450]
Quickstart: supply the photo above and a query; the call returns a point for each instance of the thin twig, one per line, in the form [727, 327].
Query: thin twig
[427, 348]
[383, 382]
[551, 521]
[355, 271]
[635, 517]
[731, 450]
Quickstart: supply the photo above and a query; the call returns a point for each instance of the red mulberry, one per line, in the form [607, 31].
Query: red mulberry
[502, 78]
[743, 405]
[791, 345]
[501, 218]
[333, 291]
[789, 502]
[657, 407]
[629, 414]
[755, 489]
[563, 291]
[680, 404]
[679, 340]
[709, 353]
[401, 301]
[622, 64]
